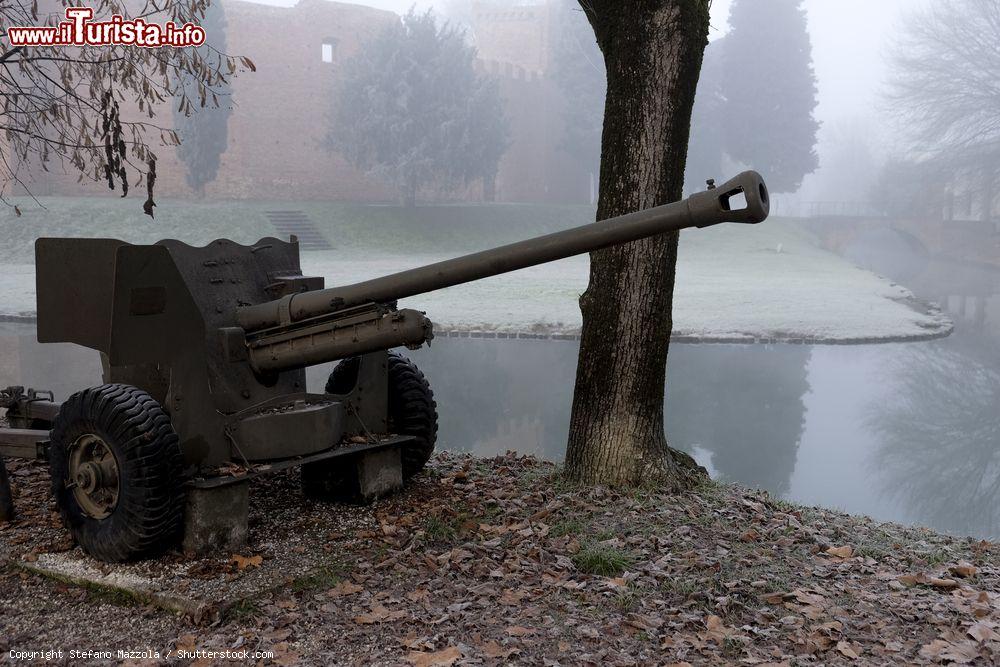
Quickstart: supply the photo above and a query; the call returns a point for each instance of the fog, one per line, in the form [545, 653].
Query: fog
[850, 39]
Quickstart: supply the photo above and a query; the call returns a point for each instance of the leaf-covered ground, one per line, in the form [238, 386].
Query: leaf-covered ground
[499, 561]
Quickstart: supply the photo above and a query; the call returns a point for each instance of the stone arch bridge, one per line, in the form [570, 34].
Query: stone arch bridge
[953, 262]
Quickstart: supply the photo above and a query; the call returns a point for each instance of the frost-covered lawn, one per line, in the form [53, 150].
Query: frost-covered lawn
[734, 282]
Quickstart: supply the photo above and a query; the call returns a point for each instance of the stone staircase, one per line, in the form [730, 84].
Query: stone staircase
[298, 223]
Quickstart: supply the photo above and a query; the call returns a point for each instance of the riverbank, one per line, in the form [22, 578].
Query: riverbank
[499, 561]
[765, 283]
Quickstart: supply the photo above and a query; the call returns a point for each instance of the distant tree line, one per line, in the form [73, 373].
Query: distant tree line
[945, 93]
[757, 97]
[755, 102]
[413, 111]
[204, 135]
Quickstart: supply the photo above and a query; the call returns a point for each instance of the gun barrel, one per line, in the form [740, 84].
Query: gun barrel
[702, 209]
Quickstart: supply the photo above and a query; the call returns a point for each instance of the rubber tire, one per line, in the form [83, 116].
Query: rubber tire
[412, 409]
[149, 516]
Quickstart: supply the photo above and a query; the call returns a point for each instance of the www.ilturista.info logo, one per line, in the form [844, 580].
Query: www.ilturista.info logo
[80, 30]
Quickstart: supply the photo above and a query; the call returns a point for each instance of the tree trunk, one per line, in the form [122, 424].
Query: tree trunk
[653, 52]
[410, 191]
[989, 193]
[490, 188]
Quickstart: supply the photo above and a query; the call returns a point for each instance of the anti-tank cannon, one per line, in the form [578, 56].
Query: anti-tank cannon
[204, 351]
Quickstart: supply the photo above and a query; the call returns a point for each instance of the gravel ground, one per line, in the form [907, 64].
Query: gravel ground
[501, 562]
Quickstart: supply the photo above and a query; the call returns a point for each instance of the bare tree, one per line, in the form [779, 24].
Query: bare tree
[92, 109]
[945, 86]
[938, 433]
[653, 52]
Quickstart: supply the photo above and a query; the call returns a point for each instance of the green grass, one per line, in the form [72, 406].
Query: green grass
[96, 592]
[112, 595]
[628, 596]
[549, 477]
[573, 526]
[243, 610]
[602, 559]
[934, 557]
[679, 586]
[441, 530]
[322, 578]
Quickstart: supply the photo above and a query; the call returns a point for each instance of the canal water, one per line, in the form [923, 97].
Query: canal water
[903, 432]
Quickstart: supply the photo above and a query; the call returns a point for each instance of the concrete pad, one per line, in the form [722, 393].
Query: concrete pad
[216, 519]
[380, 473]
[361, 478]
[72, 568]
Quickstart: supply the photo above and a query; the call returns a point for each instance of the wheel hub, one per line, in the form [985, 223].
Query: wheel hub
[93, 476]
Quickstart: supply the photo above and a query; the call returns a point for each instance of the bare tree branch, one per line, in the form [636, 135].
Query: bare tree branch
[92, 109]
[945, 85]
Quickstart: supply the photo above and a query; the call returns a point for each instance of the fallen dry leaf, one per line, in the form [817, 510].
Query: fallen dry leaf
[963, 570]
[243, 562]
[492, 649]
[982, 632]
[841, 552]
[445, 658]
[851, 650]
[344, 588]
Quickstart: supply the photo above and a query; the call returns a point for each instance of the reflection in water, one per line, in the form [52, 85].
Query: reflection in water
[60, 367]
[495, 396]
[938, 433]
[905, 432]
[744, 404]
[739, 404]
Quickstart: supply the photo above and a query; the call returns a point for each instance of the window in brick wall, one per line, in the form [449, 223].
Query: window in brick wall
[328, 50]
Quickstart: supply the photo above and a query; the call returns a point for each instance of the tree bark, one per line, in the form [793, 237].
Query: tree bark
[653, 53]
[410, 191]
[490, 188]
[6, 496]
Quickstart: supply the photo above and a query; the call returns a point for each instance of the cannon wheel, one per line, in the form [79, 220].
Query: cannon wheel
[412, 410]
[117, 473]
